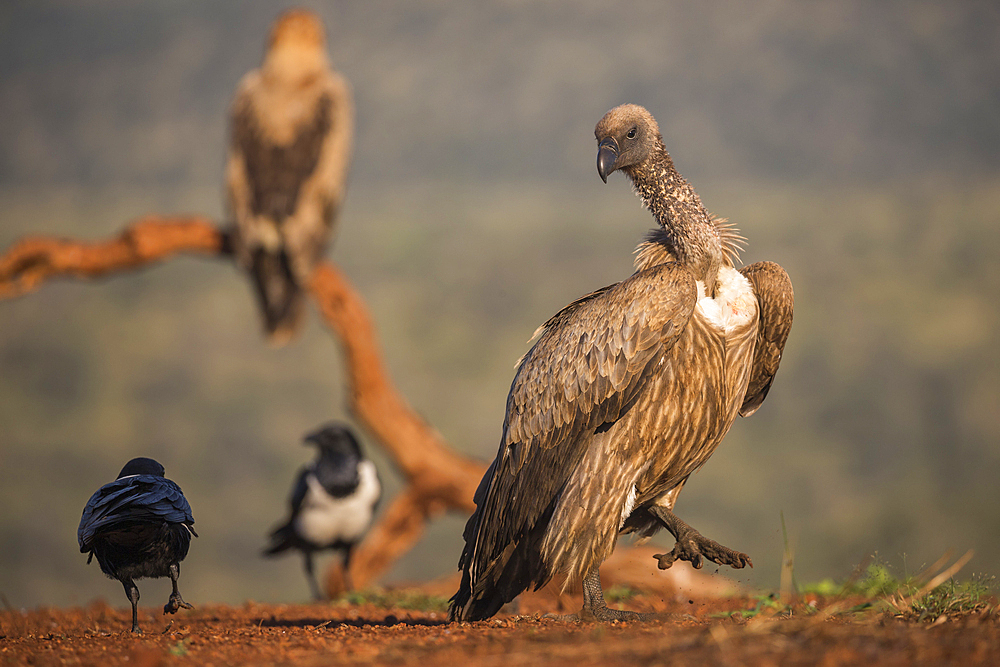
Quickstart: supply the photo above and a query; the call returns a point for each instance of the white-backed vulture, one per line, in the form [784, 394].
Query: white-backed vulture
[292, 123]
[627, 391]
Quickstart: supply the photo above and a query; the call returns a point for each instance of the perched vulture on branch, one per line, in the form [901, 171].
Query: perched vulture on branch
[627, 391]
[292, 126]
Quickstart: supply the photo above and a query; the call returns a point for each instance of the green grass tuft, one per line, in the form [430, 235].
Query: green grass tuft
[410, 599]
[619, 593]
[955, 598]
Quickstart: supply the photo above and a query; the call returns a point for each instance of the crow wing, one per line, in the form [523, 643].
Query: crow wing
[300, 490]
[139, 498]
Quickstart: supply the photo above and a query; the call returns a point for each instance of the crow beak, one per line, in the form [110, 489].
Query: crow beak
[607, 153]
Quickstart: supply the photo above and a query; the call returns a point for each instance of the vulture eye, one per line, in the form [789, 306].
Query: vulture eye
[631, 134]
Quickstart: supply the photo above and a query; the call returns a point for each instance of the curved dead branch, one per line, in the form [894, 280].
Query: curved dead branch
[437, 479]
[35, 259]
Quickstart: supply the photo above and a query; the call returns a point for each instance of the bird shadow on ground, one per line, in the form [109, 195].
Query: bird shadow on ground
[316, 623]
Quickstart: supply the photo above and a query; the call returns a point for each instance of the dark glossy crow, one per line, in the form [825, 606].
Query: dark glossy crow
[139, 525]
[332, 503]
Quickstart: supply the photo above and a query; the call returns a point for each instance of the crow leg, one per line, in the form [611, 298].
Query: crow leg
[692, 545]
[348, 584]
[132, 592]
[311, 575]
[176, 601]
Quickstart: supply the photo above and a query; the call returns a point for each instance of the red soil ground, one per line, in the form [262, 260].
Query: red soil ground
[703, 628]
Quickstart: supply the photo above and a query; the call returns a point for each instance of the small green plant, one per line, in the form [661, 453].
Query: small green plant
[767, 602]
[952, 597]
[397, 598]
[619, 593]
[877, 581]
[180, 648]
[926, 596]
[770, 602]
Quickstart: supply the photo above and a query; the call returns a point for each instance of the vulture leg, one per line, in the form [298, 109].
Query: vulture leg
[692, 545]
[176, 601]
[311, 575]
[596, 609]
[132, 592]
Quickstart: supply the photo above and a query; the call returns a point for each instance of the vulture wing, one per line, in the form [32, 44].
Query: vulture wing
[583, 374]
[776, 301]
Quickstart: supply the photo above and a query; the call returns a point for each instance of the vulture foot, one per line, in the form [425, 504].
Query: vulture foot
[692, 545]
[596, 609]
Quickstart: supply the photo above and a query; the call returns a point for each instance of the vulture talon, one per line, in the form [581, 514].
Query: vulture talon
[596, 609]
[692, 545]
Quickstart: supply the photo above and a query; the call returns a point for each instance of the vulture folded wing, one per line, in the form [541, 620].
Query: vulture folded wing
[586, 370]
[776, 301]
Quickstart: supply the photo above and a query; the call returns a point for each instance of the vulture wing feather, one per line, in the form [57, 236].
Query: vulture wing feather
[548, 425]
[776, 302]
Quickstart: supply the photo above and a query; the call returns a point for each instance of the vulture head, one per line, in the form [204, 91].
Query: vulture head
[296, 49]
[626, 136]
[297, 26]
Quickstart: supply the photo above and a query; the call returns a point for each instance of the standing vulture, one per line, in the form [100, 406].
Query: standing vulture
[627, 391]
[292, 124]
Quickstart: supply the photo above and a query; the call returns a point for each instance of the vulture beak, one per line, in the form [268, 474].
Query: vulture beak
[607, 153]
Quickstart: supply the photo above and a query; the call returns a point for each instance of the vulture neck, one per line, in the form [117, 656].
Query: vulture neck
[693, 237]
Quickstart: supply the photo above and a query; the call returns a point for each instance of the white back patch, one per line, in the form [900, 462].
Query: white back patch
[735, 303]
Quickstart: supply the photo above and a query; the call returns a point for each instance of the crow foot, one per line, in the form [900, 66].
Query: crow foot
[175, 603]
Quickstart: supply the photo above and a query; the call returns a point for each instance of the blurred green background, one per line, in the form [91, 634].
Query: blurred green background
[855, 143]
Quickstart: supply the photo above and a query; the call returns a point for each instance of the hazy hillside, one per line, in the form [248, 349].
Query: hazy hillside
[858, 145]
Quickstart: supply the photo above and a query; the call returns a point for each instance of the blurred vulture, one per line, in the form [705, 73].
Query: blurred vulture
[292, 124]
[627, 391]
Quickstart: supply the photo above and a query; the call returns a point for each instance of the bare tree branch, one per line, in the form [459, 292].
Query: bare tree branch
[35, 259]
[438, 479]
